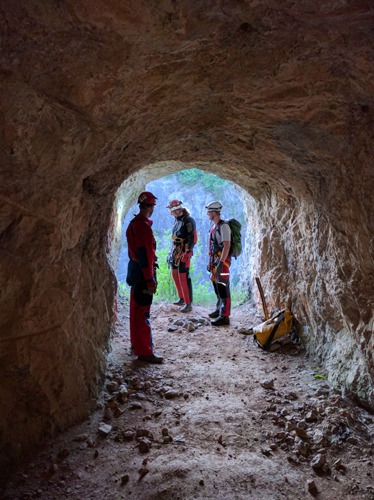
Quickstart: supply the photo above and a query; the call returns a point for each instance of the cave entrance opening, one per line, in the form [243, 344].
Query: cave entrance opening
[195, 188]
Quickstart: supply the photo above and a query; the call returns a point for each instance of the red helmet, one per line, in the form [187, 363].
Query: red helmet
[147, 197]
[175, 205]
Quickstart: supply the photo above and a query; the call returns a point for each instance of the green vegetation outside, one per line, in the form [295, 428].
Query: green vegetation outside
[210, 182]
[203, 293]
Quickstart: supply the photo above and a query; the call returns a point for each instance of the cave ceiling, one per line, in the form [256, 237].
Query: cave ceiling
[100, 89]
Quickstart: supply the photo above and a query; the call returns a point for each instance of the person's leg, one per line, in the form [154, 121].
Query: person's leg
[178, 286]
[223, 291]
[186, 285]
[132, 319]
[140, 327]
[185, 282]
[215, 313]
[225, 303]
[189, 285]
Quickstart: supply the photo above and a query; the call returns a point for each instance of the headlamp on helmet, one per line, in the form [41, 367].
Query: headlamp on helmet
[147, 198]
[175, 205]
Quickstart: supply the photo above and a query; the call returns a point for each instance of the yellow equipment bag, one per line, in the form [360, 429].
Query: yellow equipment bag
[279, 325]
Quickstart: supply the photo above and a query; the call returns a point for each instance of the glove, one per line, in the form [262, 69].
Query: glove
[185, 257]
[151, 287]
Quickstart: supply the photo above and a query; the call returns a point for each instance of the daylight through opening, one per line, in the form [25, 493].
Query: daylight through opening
[195, 188]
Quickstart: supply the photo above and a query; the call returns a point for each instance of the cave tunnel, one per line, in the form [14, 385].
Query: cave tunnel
[195, 188]
[276, 97]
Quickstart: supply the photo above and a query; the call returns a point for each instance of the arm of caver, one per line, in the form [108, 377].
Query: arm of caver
[146, 252]
[191, 234]
[225, 233]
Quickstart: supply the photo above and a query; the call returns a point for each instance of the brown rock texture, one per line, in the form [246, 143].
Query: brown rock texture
[275, 96]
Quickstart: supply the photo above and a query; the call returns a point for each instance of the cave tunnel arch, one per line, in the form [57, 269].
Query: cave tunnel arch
[252, 93]
[284, 252]
[240, 206]
[276, 206]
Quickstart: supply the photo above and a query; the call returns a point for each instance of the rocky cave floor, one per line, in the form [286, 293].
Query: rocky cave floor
[220, 419]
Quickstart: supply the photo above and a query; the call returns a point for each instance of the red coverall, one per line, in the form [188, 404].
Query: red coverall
[184, 230]
[141, 270]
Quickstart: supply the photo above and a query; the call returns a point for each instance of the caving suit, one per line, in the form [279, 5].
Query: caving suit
[221, 280]
[184, 237]
[141, 270]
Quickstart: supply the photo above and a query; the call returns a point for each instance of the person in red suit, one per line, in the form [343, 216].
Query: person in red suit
[184, 238]
[141, 276]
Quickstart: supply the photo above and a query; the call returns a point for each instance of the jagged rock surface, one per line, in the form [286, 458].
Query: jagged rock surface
[277, 97]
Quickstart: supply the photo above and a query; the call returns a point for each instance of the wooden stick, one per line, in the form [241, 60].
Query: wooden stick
[264, 306]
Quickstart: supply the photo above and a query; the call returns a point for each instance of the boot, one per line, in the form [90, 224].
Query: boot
[221, 320]
[186, 309]
[179, 302]
[156, 360]
[214, 314]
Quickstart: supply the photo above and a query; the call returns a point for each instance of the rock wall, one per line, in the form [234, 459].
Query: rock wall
[275, 96]
[328, 292]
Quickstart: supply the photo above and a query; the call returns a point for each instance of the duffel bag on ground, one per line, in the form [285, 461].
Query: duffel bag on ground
[279, 325]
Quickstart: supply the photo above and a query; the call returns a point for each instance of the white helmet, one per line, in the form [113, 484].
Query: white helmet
[214, 206]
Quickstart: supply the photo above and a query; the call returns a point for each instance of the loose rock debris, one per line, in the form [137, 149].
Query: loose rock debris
[220, 419]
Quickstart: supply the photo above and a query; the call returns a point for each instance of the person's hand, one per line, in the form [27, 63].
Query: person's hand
[219, 267]
[151, 287]
[186, 256]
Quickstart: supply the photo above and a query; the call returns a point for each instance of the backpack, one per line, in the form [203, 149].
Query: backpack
[236, 236]
[276, 327]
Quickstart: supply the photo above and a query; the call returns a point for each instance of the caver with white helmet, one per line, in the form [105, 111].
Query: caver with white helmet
[214, 206]
[219, 263]
[184, 238]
